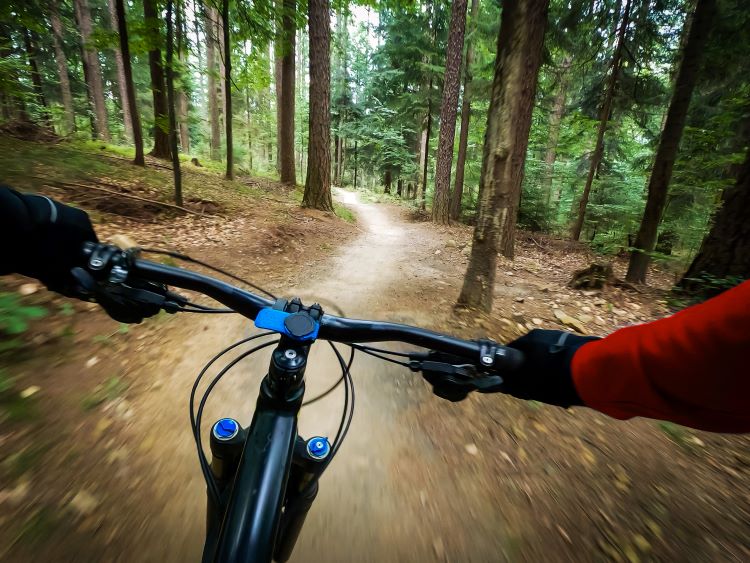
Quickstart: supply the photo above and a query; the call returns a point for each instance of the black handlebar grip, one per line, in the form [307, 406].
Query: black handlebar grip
[508, 358]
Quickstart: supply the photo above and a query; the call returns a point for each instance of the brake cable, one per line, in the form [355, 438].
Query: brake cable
[186, 258]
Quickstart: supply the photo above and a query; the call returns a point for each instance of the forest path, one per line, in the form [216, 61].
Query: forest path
[359, 514]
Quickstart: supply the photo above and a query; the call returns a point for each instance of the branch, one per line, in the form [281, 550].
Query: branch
[59, 184]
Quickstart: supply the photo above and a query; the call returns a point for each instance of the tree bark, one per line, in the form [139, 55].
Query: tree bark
[197, 10]
[463, 138]
[604, 117]
[355, 164]
[336, 146]
[277, 57]
[183, 106]
[555, 120]
[92, 71]
[285, 99]
[36, 79]
[210, 18]
[222, 71]
[448, 109]
[318, 180]
[387, 181]
[62, 68]
[126, 121]
[158, 88]
[519, 55]
[122, 31]
[425, 153]
[725, 251]
[228, 88]
[666, 153]
[171, 103]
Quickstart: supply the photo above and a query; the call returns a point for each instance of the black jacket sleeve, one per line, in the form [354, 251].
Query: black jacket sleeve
[41, 238]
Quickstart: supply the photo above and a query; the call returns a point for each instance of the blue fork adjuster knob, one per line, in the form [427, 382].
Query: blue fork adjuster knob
[225, 429]
[318, 447]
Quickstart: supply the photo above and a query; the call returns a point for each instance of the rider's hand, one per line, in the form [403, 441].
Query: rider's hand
[43, 238]
[545, 375]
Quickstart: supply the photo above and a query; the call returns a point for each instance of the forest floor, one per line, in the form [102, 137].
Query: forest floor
[97, 461]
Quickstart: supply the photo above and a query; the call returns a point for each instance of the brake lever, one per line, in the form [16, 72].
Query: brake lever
[454, 382]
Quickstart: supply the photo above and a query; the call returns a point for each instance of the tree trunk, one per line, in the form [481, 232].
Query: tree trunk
[355, 164]
[448, 107]
[126, 121]
[666, 154]
[336, 146]
[228, 88]
[248, 125]
[92, 71]
[555, 120]
[318, 181]
[211, 16]
[463, 138]
[183, 106]
[342, 155]
[122, 31]
[725, 252]
[197, 10]
[285, 140]
[604, 117]
[400, 187]
[519, 55]
[426, 148]
[36, 79]
[158, 89]
[171, 103]
[387, 181]
[62, 68]
[222, 71]
[277, 58]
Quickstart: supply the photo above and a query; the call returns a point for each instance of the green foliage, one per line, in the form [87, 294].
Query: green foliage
[15, 315]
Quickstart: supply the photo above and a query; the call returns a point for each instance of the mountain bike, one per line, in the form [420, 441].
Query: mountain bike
[262, 480]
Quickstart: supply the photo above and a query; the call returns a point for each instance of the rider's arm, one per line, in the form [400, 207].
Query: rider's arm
[41, 238]
[692, 368]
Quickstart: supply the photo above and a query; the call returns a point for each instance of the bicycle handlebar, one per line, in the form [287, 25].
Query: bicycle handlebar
[338, 329]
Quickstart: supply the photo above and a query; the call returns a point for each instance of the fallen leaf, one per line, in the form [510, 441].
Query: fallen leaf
[91, 362]
[29, 391]
[572, 322]
[471, 449]
[28, 289]
[83, 503]
[642, 543]
[16, 495]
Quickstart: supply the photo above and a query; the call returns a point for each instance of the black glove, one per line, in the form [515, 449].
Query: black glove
[42, 238]
[545, 375]
[126, 303]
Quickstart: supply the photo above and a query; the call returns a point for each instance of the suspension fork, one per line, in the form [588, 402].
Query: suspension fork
[253, 466]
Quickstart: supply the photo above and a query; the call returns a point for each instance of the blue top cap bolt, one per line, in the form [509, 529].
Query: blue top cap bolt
[318, 447]
[226, 429]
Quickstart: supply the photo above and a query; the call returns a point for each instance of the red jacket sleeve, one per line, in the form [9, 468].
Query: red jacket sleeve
[692, 368]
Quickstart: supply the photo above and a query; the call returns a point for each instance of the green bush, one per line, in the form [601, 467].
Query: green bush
[14, 319]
